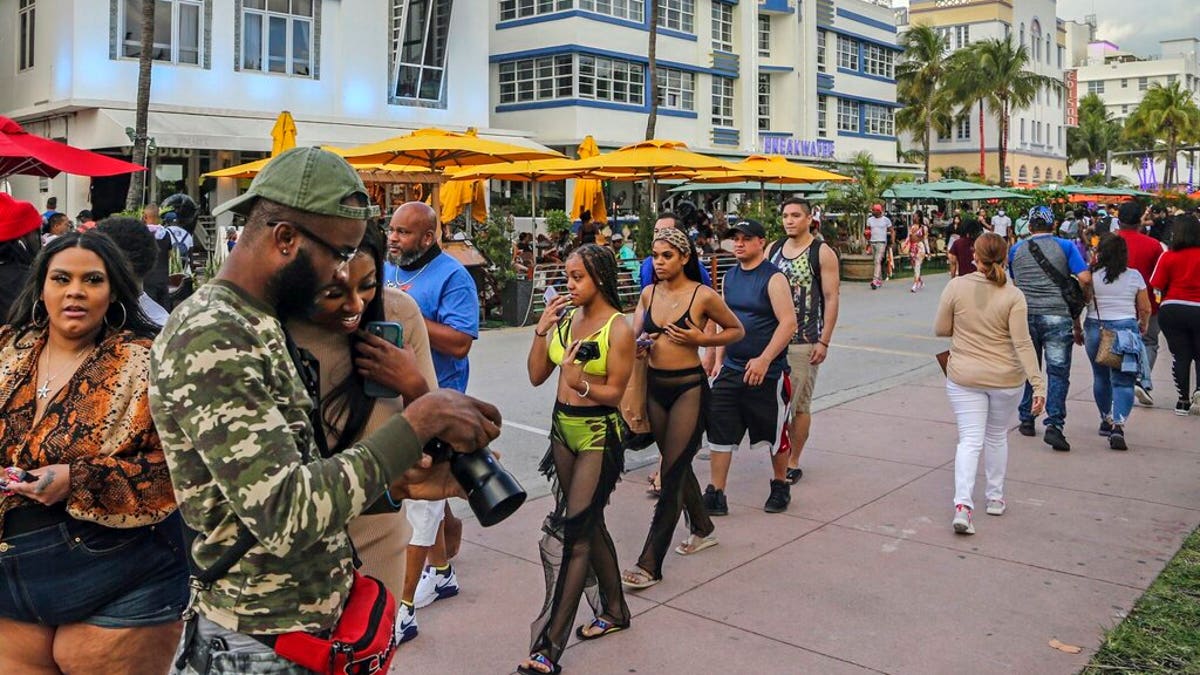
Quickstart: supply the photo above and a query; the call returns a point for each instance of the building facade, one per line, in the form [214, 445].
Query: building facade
[350, 72]
[1037, 134]
[733, 78]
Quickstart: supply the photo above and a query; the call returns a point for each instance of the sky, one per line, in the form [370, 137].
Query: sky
[1135, 25]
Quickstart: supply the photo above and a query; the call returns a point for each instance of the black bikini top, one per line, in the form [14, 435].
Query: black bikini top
[650, 327]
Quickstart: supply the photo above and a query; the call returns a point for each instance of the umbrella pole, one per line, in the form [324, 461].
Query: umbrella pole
[436, 198]
[533, 207]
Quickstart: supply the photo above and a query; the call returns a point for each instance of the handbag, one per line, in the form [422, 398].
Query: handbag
[1105, 355]
[633, 401]
[1072, 292]
[361, 642]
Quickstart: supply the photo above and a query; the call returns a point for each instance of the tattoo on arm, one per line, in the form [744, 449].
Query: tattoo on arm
[44, 482]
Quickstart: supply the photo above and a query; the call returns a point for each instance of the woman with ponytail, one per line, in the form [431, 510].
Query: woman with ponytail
[991, 358]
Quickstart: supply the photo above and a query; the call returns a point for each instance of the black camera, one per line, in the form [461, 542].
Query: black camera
[493, 493]
[588, 351]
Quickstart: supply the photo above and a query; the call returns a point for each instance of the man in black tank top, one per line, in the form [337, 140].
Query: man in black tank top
[751, 392]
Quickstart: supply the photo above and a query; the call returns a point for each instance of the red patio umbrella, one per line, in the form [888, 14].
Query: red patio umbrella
[24, 153]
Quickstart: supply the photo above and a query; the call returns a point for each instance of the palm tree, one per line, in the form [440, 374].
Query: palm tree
[652, 69]
[1170, 115]
[137, 180]
[1096, 135]
[855, 199]
[966, 89]
[1002, 69]
[919, 86]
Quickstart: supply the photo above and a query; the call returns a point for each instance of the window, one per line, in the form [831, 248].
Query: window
[764, 35]
[878, 120]
[25, 17]
[821, 50]
[1023, 174]
[764, 102]
[1060, 56]
[847, 115]
[633, 10]
[1022, 130]
[1096, 87]
[1124, 109]
[605, 79]
[722, 27]
[1060, 175]
[676, 88]
[847, 53]
[677, 15]
[1060, 136]
[722, 101]
[1170, 80]
[962, 128]
[176, 30]
[277, 36]
[1047, 48]
[420, 31]
[540, 79]
[1143, 84]
[1059, 94]
[962, 36]
[1035, 41]
[1022, 35]
[822, 115]
[878, 61]
[1037, 174]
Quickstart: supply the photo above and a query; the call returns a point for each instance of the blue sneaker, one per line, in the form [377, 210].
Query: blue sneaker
[435, 585]
[406, 623]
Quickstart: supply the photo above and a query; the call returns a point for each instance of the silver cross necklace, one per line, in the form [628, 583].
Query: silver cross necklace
[44, 390]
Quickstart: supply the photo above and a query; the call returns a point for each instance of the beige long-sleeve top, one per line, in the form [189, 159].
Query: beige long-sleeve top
[988, 327]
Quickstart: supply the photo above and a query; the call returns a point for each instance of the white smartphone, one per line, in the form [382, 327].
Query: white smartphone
[550, 294]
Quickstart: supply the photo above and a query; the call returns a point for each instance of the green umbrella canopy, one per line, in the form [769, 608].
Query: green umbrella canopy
[1102, 191]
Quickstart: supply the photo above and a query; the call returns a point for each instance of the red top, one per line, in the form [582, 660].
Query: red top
[1144, 252]
[1177, 275]
[963, 250]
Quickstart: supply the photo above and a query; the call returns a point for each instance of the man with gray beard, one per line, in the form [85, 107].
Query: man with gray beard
[449, 301]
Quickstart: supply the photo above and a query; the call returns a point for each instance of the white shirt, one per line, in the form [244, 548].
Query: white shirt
[878, 226]
[1118, 299]
[1000, 225]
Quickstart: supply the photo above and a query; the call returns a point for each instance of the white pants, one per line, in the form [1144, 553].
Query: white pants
[983, 419]
[424, 517]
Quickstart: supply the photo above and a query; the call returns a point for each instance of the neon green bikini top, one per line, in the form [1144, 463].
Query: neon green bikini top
[557, 348]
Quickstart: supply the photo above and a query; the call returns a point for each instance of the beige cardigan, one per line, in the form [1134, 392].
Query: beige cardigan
[988, 327]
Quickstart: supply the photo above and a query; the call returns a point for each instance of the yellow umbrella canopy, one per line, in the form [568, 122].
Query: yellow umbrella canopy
[283, 134]
[437, 149]
[457, 197]
[770, 169]
[589, 192]
[655, 158]
[247, 170]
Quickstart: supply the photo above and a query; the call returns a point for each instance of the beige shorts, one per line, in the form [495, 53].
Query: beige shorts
[803, 377]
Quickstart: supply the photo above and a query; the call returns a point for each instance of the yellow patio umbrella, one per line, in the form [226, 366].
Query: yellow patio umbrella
[530, 171]
[247, 170]
[589, 192]
[459, 196]
[283, 134]
[774, 169]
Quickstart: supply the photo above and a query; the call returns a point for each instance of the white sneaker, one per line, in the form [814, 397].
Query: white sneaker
[435, 586]
[1195, 410]
[996, 507]
[962, 520]
[1143, 396]
[406, 624]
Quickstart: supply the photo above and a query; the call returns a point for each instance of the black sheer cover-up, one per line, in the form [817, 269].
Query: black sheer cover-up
[578, 556]
[675, 404]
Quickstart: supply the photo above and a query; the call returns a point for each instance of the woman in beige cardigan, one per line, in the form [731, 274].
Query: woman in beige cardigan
[991, 357]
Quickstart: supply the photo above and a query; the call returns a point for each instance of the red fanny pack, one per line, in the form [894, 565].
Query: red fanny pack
[363, 640]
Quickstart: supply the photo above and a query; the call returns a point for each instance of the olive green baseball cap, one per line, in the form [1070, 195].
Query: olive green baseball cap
[307, 179]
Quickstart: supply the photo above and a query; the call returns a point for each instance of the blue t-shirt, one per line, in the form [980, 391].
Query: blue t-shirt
[446, 294]
[648, 276]
[746, 293]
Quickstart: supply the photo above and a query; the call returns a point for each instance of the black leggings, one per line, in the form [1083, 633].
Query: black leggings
[1181, 325]
[584, 462]
[675, 403]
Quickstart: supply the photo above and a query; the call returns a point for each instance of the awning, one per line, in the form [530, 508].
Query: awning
[206, 131]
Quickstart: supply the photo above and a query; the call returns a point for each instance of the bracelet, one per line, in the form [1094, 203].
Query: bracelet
[823, 342]
[587, 389]
[392, 502]
[541, 335]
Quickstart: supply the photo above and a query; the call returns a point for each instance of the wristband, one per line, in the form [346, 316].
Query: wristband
[587, 389]
[824, 343]
[392, 502]
[542, 335]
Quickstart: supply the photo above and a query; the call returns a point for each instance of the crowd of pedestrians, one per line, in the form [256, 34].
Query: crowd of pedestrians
[271, 436]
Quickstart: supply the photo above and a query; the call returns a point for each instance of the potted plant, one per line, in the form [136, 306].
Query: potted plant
[557, 221]
[854, 200]
[503, 287]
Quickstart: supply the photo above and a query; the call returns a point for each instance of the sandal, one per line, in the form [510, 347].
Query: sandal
[606, 628]
[794, 475]
[694, 544]
[655, 488]
[637, 579]
[552, 668]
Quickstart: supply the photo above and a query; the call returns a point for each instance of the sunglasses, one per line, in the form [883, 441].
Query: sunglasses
[343, 253]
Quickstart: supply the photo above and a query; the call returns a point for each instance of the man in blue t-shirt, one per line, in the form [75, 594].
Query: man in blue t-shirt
[1053, 329]
[750, 393]
[449, 301]
[647, 276]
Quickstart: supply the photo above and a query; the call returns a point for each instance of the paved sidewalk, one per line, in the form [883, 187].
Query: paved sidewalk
[863, 573]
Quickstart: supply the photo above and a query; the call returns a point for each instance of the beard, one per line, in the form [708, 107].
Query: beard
[294, 287]
[408, 258]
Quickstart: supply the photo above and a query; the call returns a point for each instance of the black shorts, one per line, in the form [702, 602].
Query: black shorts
[736, 408]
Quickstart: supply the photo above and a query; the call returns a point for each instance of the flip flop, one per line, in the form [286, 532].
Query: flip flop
[554, 668]
[693, 544]
[655, 488]
[606, 628]
[647, 580]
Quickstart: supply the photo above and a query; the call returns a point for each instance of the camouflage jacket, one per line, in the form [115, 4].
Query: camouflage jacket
[232, 413]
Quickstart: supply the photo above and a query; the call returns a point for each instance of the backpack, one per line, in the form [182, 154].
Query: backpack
[814, 263]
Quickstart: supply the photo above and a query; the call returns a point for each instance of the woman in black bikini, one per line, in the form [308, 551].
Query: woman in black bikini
[677, 393]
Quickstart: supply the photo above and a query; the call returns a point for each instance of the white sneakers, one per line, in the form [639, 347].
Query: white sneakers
[406, 624]
[962, 520]
[434, 586]
[996, 507]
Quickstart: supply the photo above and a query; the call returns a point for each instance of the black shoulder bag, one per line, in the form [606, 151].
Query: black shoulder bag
[1072, 292]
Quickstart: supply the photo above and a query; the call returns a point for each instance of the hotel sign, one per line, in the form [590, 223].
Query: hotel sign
[1071, 82]
[795, 147]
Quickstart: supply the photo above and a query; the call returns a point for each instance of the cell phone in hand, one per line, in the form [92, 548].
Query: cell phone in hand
[550, 294]
[393, 333]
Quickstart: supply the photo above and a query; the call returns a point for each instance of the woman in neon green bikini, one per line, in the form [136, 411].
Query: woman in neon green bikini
[592, 347]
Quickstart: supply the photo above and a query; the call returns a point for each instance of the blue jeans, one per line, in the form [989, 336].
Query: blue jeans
[1112, 389]
[1053, 340]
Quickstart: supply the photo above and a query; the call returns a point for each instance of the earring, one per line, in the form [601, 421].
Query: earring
[33, 314]
[285, 251]
[124, 318]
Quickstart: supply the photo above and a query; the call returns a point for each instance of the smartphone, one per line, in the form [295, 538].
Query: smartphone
[645, 343]
[550, 294]
[393, 333]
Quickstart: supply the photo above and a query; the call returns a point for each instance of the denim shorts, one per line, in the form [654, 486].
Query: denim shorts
[81, 572]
